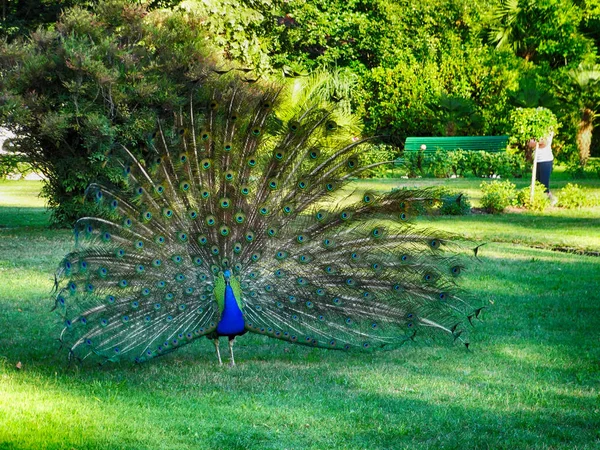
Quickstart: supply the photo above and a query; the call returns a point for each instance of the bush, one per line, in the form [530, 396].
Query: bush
[458, 162]
[415, 163]
[11, 163]
[531, 123]
[481, 164]
[444, 164]
[94, 79]
[497, 195]
[376, 154]
[540, 198]
[594, 167]
[455, 204]
[510, 165]
[439, 164]
[572, 197]
[590, 170]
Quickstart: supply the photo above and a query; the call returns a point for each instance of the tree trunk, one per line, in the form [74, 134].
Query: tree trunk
[584, 135]
[450, 128]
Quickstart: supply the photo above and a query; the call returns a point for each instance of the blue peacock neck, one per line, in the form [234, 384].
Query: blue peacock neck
[232, 319]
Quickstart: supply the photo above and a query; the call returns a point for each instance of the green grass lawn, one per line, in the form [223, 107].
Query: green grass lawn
[20, 205]
[530, 380]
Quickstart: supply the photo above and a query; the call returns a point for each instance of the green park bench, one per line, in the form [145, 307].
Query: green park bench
[468, 143]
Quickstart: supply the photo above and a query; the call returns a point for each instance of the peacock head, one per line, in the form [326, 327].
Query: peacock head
[227, 275]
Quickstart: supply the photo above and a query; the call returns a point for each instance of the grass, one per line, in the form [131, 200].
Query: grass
[556, 227]
[21, 205]
[530, 380]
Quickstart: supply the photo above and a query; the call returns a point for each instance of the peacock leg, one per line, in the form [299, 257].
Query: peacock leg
[232, 361]
[216, 342]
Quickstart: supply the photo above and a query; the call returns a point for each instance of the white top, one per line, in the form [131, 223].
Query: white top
[544, 152]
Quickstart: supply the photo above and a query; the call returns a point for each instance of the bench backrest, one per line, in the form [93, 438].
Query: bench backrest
[486, 143]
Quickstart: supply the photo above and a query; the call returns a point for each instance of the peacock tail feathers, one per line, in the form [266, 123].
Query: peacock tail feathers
[240, 182]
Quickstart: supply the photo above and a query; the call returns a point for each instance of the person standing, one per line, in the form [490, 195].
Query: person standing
[544, 160]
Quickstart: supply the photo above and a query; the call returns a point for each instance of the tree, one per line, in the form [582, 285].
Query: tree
[586, 84]
[20, 17]
[536, 124]
[98, 78]
[542, 31]
[458, 113]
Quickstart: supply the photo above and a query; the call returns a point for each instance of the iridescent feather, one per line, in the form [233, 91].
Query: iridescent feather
[230, 186]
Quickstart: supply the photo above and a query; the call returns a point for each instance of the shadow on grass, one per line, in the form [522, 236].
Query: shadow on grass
[530, 380]
[372, 402]
[30, 217]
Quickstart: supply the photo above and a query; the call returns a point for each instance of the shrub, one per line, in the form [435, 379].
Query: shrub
[458, 162]
[455, 204]
[444, 164]
[497, 195]
[94, 79]
[540, 198]
[376, 154]
[572, 196]
[518, 165]
[594, 168]
[439, 164]
[531, 123]
[415, 163]
[590, 170]
[509, 165]
[12, 163]
[482, 164]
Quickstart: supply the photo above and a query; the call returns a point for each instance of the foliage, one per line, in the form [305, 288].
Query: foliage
[545, 31]
[415, 163]
[424, 68]
[96, 79]
[540, 201]
[511, 165]
[455, 204]
[497, 195]
[590, 170]
[415, 97]
[482, 164]
[439, 164]
[23, 16]
[594, 167]
[408, 68]
[585, 93]
[503, 164]
[572, 196]
[458, 162]
[531, 123]
[421, 67]
[12, 163]
[444, 164]
[20, 17]
[378, 153]
[455, 114]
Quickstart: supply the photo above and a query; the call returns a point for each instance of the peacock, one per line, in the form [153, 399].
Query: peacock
[236, 216]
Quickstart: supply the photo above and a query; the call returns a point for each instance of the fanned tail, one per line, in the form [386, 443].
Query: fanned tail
[230, 185]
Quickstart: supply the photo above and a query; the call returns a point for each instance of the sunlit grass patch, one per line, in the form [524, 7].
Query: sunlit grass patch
[529, 379]
[21, 205]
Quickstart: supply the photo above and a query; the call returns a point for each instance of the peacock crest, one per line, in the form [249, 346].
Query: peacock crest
[236, 217]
